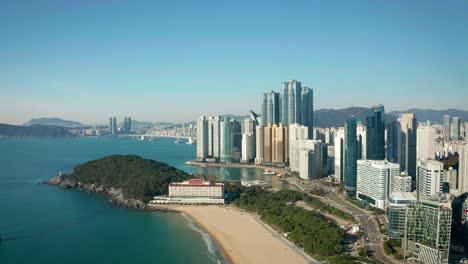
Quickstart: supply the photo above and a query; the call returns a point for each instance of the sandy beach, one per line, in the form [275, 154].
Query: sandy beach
[241, 237]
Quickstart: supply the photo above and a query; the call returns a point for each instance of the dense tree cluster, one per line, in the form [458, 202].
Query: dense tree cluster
[139, 178]
[319, 237]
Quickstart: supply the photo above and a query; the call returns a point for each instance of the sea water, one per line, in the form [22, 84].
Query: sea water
[45, 224]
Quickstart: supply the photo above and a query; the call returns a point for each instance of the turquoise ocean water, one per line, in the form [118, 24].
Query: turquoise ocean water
[44, 224]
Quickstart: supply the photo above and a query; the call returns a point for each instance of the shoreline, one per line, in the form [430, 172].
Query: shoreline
[225, 254]
[166, 208]
[236, 165]
[238, 235]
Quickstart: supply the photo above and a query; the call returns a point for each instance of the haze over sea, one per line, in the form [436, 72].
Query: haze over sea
[44, 224]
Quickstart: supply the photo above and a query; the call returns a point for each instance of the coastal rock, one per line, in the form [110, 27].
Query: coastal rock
[115, 195]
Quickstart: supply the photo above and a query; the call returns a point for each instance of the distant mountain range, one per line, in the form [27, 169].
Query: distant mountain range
[337, 117]
[435, 116]
[33, 131]
[322, 118]
[54, 121]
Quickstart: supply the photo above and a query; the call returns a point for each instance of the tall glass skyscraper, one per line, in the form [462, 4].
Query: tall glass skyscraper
[446, 128]
[270, 108]
[375, 133]
[227, 140]
[307, 110]
[350, 172]
[291, 102]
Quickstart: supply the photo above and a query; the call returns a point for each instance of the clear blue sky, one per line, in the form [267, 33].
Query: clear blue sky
[174, 60]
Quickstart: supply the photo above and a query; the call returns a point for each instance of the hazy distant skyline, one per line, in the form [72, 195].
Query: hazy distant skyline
[175, 60]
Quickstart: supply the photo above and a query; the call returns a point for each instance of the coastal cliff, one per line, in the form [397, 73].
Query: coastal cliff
[115, 195]
[127, 180]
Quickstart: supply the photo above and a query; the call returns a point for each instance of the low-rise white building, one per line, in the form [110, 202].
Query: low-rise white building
[193, 191]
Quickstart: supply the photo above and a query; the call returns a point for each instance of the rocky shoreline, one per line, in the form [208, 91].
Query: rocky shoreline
[114, 195]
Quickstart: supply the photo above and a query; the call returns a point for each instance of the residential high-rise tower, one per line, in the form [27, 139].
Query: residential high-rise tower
[375, 133]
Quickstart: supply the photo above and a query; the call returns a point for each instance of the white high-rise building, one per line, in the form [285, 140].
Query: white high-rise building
[247, 147]
[202, 138]
[248, 126]
[310, 159]
[361, 137]
[463, 169]
[446, 128]
[374, 181]
[214, 137]
[339, 154]
[259, 145]
[297, 133]
[426, 139]
[430, 178]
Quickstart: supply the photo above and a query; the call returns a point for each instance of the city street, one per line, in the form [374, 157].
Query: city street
[369, 226]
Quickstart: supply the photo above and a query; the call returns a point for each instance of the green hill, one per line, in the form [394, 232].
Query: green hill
[138, 178]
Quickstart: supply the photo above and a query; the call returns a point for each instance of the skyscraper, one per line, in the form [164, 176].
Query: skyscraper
[275, 143]
[214, 137]
[124, 127]
[127, 125]
[361, 138]
[430, 176]
[401, 143]
[291, 102]
[463, 169]
[375, 133]
[270, 108]
[351, 155]
[425, 147]
[110, 126]
[339, 154]
[259, 144]
[446, 128]
[129, 122]
[307, 109]
[455, 132]
[114, 126]
[202, 138]
[310, 159]
[297, 133]
[237, 140]
[227, 140]
[248, 148]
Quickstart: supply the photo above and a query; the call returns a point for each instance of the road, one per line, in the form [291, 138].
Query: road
[368, 223]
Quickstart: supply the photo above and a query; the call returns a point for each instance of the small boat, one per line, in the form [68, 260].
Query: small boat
[268, 172]
[190, 141]
[142, 138]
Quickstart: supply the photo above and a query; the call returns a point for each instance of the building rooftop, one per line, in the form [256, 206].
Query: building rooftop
[408, 196]
[380, 163]
[196, 182]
